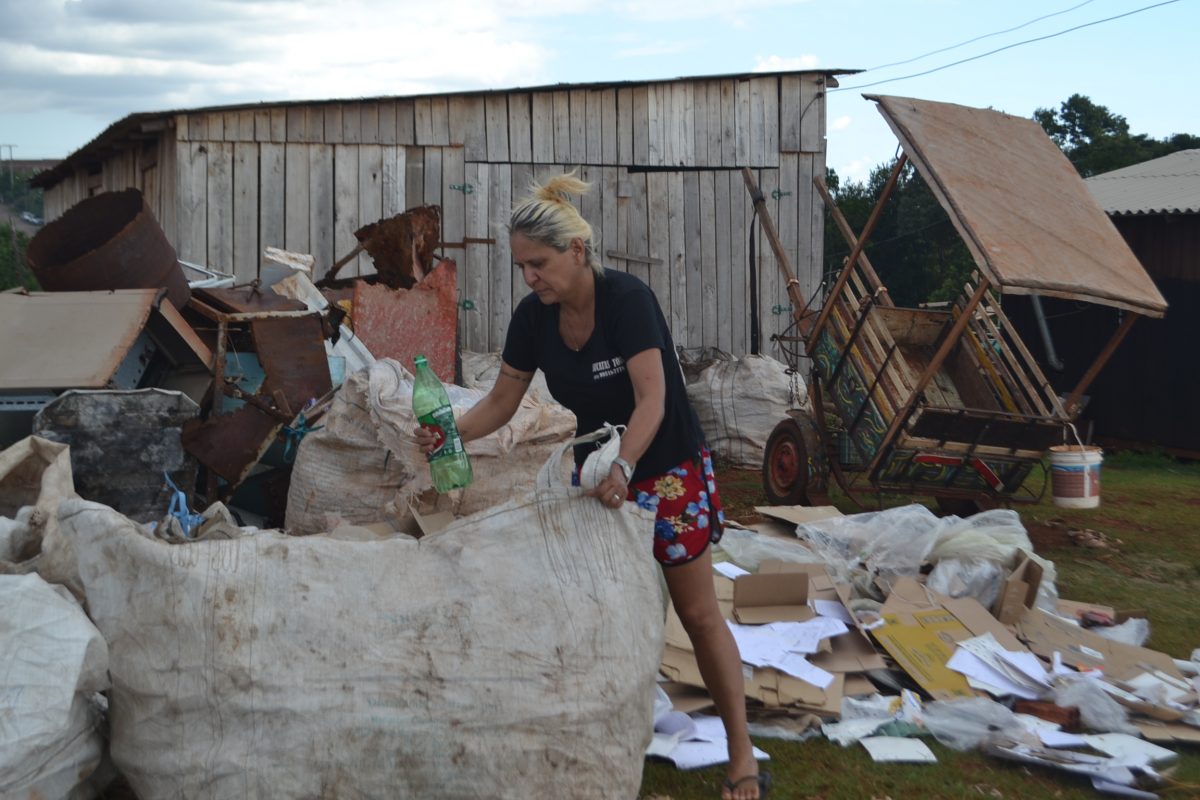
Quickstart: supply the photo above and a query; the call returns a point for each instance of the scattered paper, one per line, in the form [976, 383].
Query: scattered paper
[833, 609]
[706, 747]
[729, 569]
[1131, 748]
[780, 646]
[894, 748]
[1061, 739]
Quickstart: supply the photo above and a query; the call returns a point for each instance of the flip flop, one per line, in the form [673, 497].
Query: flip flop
[764, 783]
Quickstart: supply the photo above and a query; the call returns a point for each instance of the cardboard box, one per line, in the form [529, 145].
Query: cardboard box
[1019, 592]
[771, 597]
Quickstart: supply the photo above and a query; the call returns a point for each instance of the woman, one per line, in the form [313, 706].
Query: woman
[601, 340]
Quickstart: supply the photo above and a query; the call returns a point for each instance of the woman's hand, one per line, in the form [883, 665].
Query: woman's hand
[613, 490]
[427, 440]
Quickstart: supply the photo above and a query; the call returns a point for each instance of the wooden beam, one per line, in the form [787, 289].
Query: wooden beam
[768, 226]
[952, 338]
[884, 299]
[1100, 361]
[852, 259]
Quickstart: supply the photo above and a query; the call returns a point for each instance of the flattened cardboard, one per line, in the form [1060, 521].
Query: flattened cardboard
[850, 652]
[908, 595]
[686, 698]
[1073, 609]
[1019, 592]
[768, 686]
[771, 597]
[1168, 732]
[798, 515]
[1046, 634]
[724, 589]
[922, 642]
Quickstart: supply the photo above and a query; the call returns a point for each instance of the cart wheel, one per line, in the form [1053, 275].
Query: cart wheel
[785, 465]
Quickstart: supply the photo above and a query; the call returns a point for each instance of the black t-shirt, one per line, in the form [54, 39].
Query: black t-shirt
[594, 382]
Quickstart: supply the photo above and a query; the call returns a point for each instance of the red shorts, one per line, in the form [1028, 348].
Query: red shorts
[687, 507]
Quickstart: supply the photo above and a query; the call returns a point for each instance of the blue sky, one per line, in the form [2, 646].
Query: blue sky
[69, 68]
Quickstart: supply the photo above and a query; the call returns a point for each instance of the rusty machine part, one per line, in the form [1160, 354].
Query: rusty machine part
[110, 241]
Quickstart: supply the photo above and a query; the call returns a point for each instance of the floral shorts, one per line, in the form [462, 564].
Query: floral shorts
[687, 507]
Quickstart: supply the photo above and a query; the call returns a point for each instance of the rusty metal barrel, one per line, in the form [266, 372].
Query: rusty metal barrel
[109, 241]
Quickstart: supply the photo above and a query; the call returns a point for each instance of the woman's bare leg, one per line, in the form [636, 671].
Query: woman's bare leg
[691, 588]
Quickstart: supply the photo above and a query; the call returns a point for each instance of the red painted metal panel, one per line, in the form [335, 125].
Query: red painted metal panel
[404, 323]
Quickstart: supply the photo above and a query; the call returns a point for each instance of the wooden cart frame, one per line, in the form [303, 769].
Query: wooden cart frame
[951, 403]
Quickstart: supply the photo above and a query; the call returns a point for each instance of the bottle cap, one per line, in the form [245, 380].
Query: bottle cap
[420, 361]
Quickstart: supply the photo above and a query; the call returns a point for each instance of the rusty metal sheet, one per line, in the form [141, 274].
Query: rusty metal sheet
[292, 354]
[403, 323]
[229, 444]
[110, 241]
[1025, 214]
[394, 243]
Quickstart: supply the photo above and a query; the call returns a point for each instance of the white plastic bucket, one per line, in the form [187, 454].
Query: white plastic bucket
[1075, 475]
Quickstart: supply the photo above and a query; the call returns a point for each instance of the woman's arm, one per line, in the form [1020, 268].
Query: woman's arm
[492, 411]
[649, 405]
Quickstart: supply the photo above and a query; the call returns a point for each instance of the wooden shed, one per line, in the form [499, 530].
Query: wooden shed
[664, 157]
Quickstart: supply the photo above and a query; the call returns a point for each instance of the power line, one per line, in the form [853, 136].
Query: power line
[1001, 49]
[978, 38]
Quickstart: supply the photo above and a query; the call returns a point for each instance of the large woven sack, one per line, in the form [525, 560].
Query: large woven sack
[53, 662]
[511, 654]
[364, 466]
[35, 476]
[739, 403]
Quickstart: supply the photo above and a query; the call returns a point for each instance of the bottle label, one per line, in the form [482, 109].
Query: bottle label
[440, 422]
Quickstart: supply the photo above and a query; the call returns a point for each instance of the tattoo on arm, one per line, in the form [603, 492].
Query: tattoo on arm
[508, 373]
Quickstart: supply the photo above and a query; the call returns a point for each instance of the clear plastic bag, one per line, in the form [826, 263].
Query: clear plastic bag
[1134, 631]
[1097, 709]
[889, 543]
[966, 724]
[748, 549]
[968, 577]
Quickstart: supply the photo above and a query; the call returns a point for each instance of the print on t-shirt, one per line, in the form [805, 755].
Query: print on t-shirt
[607, 368]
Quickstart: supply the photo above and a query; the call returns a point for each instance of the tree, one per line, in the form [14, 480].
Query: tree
[1097, 140]
[914, 248]
[13, 270]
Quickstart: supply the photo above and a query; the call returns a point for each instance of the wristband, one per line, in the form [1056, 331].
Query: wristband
[626, 469]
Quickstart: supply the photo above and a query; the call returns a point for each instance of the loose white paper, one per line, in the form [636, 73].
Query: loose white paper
[1061, 739]
[833, 609]
[729, 569]
[894, 748]
[1126, 747]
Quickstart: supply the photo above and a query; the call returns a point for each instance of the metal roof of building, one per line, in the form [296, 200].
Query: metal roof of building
[1167, 185]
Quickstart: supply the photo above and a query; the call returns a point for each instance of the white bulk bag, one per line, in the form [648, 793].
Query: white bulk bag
[740, 402]
[364, 466]
[511, 654]
[52, 663]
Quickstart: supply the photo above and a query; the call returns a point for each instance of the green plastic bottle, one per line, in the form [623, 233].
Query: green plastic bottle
[449, 464]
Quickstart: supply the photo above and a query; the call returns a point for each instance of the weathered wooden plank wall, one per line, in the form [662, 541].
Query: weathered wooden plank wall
[668, 201]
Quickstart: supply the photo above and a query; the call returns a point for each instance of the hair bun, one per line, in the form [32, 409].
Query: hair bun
[560, 188]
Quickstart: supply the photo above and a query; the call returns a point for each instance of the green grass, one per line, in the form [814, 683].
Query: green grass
[1151, 504]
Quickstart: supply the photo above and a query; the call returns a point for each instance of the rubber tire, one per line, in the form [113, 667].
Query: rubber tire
[785, 465]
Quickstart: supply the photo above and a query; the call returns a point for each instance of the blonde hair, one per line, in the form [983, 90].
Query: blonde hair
[547, 217]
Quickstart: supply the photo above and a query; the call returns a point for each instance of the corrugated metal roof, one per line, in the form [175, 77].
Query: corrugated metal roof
[1167, 185]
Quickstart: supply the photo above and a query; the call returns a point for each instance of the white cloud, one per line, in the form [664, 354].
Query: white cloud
[858, 170]
[841, 123]
[784, 64]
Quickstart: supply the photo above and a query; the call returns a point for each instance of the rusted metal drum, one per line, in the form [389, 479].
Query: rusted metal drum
[110, 241]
